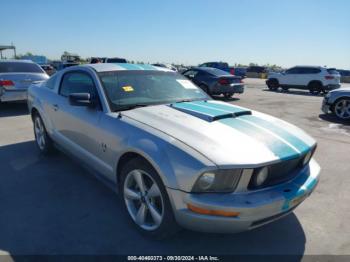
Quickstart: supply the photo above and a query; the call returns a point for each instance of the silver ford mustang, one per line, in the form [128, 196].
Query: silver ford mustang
[175, 156]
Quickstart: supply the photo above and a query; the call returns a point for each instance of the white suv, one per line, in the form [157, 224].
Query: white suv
[314, 78]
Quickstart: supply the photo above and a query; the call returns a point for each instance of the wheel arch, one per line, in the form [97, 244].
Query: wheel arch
[315, 82]
[125, 158]
[338, 99]
[273, 79]
[162, 169]
[34, 111]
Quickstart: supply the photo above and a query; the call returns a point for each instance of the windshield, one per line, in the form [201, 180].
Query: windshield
[18, 67]
[332, 71]
[128, 88]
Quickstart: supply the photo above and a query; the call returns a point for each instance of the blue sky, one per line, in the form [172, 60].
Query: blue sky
[284, 32]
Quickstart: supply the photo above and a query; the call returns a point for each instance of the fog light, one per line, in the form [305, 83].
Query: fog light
[261, 176]
[307, 158]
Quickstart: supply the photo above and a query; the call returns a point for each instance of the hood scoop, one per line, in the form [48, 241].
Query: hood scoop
[210, 111]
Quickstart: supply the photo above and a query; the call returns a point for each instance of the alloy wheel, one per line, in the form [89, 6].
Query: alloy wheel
[39, 133]
[342, 109]
[143, 200]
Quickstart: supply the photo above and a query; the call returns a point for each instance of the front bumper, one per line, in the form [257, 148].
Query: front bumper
[9, 95]
[325, 106]
[230, 89]
[256, 208]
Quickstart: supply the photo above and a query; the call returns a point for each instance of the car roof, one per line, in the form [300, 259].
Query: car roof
[309, 66]
[16, 61]
[106, 67]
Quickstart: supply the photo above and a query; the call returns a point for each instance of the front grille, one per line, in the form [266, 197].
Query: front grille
[280, 172]
[284, 171]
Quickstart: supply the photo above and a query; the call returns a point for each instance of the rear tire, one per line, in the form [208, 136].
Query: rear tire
[315, 88]
[273, 84]
[146, 200]
[43, 141]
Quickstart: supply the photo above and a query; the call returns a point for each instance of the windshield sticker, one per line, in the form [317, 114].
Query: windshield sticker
[128, 88]
[186, 84]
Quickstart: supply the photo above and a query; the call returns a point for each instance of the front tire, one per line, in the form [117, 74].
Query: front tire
[205, 88]
[228, 95]
[342, 108]
[273, 84]
[42, 139]
[146, 200]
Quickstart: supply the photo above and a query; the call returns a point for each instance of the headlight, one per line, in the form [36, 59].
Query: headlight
[218, 181]
[259, 177]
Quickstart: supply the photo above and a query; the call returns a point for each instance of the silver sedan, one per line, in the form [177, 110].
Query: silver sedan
[175, 156]
[338, 102]
[15, 78]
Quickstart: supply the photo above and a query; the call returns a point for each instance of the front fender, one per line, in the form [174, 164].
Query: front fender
[35, 103]
[177, 164]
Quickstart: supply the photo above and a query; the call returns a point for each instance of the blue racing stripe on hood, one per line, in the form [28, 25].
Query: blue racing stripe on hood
[276, 146]
[206, 111]
[280, 142]
[281, 132]
[221, 107]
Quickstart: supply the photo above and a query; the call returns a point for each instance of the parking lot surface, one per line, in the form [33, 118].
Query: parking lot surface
[51, 205]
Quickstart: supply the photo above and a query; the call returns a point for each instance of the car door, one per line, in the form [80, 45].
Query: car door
[290, 77]
[308, 75]
[77, 127]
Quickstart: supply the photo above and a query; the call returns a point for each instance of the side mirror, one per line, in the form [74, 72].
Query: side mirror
[81, 99]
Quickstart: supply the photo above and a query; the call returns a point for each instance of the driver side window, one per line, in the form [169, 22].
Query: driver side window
[293, 70]
[77, 82]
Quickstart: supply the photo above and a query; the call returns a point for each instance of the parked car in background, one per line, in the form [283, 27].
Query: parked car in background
[175, 156]
[215, 81]
[114, 60]
[337, 102]
[316, 79]
[15, 78]
[256, 71]
[240, 71]
[49, 69]
[344, 75]
[169, 66]
[219, 65]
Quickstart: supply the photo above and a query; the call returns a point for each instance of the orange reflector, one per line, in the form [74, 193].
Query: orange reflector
[212, 212]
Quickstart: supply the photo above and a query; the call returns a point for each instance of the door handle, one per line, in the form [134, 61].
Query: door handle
[55, 107]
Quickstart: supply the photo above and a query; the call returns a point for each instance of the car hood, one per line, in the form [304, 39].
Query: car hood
[341, 89]
[227, 135]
